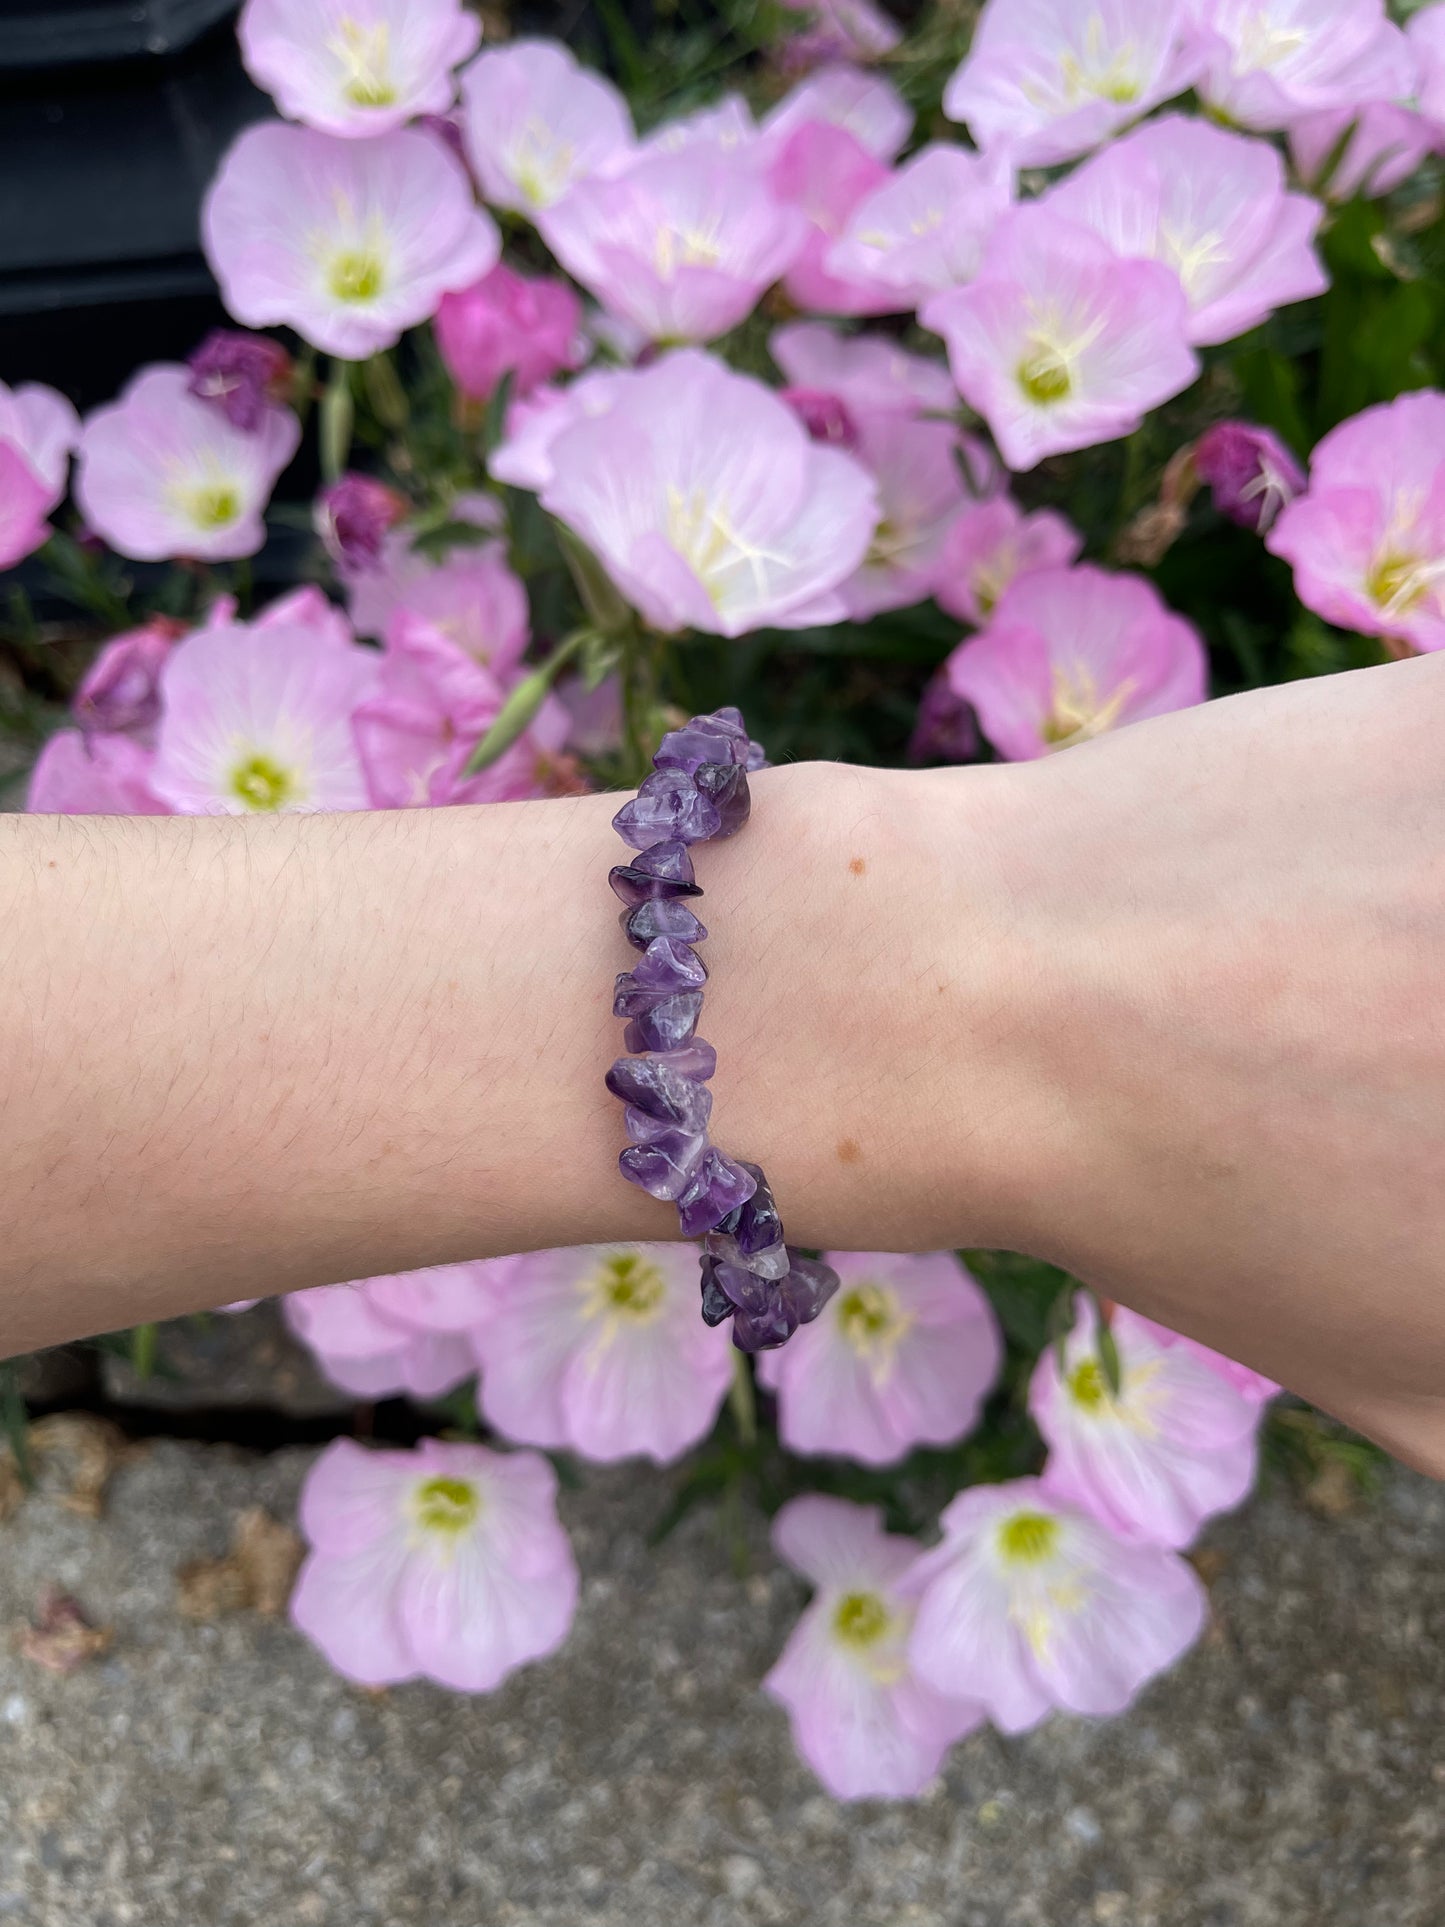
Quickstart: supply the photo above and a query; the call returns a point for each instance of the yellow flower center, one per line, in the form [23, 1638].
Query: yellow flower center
[1079, 712]
[861, 1619]
[675, 248]
[1398, 582]
[1087, 1385]
[215, 505]
[447, 1505]
[1044, 375]
[1028, 1538]
[363, 53]
[626, 1287]
[1095, 72]
[356, 274]
[262, 784]
[541, 163]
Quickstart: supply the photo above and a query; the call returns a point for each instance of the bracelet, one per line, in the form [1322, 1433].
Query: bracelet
[698, 792]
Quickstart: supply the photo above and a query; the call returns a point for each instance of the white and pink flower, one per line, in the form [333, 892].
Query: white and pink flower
[923, 229]
[1267, 63]
[1367, 538]
[705, 500]
[536, 124]
[598, 1349]
[861, 1718]
[407, 1333]
[38, 431]
[679, 244]
[1175, 1444]
[447, 1563]
[903, 1354]
[349, 242]
[1050, 79]
[257, 717]
[359, 67]
[990, 544]
[1211, 206]
[163, 474]
[1057, 342]
[87, 773]
[1030, 1606]
[1070, 653]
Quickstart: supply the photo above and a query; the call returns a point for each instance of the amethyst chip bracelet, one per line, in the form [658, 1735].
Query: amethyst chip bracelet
[698, 792]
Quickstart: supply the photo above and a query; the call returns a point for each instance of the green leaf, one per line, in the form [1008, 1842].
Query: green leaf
[522, 705]
[338, 420]
[1109, 1359]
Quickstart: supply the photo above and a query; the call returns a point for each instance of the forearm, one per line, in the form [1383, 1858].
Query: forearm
[246, 1057]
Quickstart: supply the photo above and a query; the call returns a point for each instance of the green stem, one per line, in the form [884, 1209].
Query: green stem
[143, 1350]
[338, 414]
[15, 1420]
[742, 1402]
[523, 703]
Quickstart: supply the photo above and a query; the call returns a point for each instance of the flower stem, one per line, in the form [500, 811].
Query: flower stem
[742, 1402]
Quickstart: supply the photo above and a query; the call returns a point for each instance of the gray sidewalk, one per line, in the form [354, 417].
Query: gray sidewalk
[1290, 1774]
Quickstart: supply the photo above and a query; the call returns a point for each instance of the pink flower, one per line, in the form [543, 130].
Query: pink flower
[1250, 472]
[240, 374]
[93, 775]
[1030, 1606]
[682, 244]
[598, 1349]
[446, 1563]
[824, 172]
[407, 1333]
[1175, 1445]
[363, 68]
[38, 430]
[865, 106]
[1050, 79]
[353, 516]
[1367, 540]
[917, 468]
[470, 594]
[840, 30]
[348, 242]
[1249, 1383]
[867, 374]
[431, 705]
[1058, 343]
[903, 1354]
[523, 458]
[1425, 32]
[1070, 653]
[727, 127]
[1386, 143]
[924, 228]
[508, 323]
[258, 717]
[945, 729]
[162, 474]
[536, 123]
[1266, 63]
[989, 544]
[865, 1724]
[1209, 205]
[704, 499]
[121, 689]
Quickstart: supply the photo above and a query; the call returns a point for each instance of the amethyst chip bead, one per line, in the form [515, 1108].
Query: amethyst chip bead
[665, 870]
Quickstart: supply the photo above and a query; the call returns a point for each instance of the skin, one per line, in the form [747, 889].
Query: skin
[1165, 1009]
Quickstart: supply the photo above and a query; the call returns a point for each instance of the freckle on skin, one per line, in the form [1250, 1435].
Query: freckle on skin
[858, 866]
[848, 1151]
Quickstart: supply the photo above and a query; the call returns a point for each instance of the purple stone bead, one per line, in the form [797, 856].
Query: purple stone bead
[688, 749]
[755, 1225]
[730, 721]
[664, 1024]
[772, 1264]
[661, 917]
[666, 1166]
[695, 1059]
[716, 1305]
[669, 965]
[763, 1331]
[669, 806]
[649, 1085]
[744, 1290]
[719, 1187]
[642, 1129]
[809, 1286]
[662, 871]
[726, 786]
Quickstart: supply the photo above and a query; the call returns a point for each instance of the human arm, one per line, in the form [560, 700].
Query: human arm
[1163, 1009]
